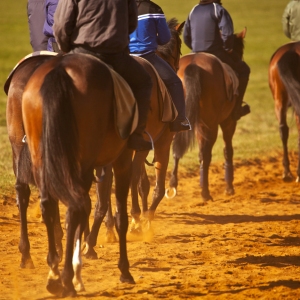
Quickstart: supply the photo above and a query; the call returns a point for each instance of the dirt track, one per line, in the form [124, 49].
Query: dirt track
[238, 247]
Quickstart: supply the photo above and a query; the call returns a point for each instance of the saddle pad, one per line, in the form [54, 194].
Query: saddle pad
[126, 110]
[168, 110]
[231, 80]
[26, 58]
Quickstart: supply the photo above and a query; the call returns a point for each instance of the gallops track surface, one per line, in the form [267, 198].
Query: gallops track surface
[236, 247]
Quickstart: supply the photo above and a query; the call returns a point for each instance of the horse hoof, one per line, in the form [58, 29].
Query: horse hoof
[229, 192]
[54, 287]
[127, 279]
[288, 177]
[169, 195]
[136, 230]
[91, 254]
[69, 293]
[79, 286]
[27, 264]
[206, 198]
[110, 237]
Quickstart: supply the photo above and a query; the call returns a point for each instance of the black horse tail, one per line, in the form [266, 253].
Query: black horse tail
[186, 139]
[289, 72]
[61, 169]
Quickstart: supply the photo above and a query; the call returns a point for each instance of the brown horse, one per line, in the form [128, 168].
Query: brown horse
[162, 138]
[284, 82]
[14, 88]
[207, 107]
[68, 109]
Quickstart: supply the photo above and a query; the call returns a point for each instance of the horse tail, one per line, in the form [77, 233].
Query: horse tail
[289, 72]
[61, 169]
[186, 139]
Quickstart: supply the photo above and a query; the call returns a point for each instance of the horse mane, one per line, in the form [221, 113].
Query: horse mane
[238, 46]
[167, 49]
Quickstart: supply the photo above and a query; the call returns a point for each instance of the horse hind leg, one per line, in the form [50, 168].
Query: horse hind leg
[284, 135]
[49, 210]
[228, 128]
[23, 193]
[77, 260]
[122, 172]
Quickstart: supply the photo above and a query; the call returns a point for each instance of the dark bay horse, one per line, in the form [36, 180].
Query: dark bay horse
[68, 110]
[14, 88]
[162, 138]
[207, 107]
[284, 82]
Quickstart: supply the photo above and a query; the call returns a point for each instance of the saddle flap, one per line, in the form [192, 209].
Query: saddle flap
[168, 111]
[231, 81]
[126, 110]
[23, 60]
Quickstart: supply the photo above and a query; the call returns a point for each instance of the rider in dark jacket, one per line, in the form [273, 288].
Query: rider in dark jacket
[36, 19]
[209, 28]
[102, 28]
[153, 30]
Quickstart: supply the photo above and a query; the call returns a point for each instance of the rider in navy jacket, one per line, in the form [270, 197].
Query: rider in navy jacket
[50, 8]
[153, 30]
[209, 28]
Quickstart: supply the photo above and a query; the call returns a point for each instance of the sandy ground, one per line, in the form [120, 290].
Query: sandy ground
[244, 246]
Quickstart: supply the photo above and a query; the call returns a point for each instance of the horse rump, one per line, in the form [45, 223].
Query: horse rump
[289, 72]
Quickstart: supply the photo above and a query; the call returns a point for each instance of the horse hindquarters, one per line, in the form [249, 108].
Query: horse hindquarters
[52, 138]
[289, 73]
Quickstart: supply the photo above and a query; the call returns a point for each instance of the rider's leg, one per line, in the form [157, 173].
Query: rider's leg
[174, 86]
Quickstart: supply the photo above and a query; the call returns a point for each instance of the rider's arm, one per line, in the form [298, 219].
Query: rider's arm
[226, 27]
[64, 23]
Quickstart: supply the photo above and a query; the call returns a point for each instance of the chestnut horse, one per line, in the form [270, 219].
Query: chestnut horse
[162, 138]
[68, 110]
[14, 88]
[207, 107]
[284, 82]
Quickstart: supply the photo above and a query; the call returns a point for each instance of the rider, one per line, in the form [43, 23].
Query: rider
[102, 28]
[290, 20]
[209, 28]
[50, 8]
[153, 30]
[36, 19]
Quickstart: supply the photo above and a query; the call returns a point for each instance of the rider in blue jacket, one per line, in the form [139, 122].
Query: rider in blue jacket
[209, 28]
[153, 30]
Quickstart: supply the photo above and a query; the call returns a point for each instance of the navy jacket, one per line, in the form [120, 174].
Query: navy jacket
[208, 28]
[152, 29]
[50, 8]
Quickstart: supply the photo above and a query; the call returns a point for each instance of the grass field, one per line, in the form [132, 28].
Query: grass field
[256, 134]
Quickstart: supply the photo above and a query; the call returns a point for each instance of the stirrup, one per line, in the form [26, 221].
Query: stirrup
[177, 126]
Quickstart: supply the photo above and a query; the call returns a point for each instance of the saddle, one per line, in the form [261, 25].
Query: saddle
[167, 109]
[25, 59]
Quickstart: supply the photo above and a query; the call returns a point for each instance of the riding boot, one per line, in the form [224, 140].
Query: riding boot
[181, 123]
[239, 110]
[136, 140]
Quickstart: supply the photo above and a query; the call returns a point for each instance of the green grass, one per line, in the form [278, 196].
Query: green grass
[256, 135]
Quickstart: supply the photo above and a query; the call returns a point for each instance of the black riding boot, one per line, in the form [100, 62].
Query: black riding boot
[239, 110]
[136, 140]
[181, 123]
